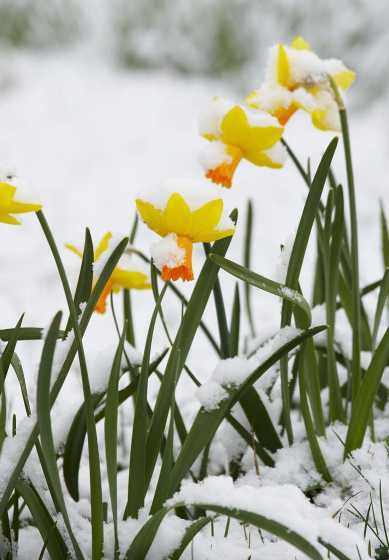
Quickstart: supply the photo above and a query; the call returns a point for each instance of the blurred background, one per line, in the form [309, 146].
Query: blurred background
[217, 38]
[99, 100]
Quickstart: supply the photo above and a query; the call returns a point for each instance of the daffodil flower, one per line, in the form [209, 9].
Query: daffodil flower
[9, 205]
[181, 220]
[296, 78]
[129, 278]
[236, 133]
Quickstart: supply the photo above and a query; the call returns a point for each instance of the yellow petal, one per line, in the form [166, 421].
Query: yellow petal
[152, 216]
[7, 192]
[282, 66]
[320, 121]
[344, 79]
[73, 249]
[261, 138]
[214, 235]
[234, 126]
[263, 160]
[300, 44]
[129, 279]
[206, 218]
[8, 219]
[16, 207]
[177, 216]
[103, 245]
[237, 131]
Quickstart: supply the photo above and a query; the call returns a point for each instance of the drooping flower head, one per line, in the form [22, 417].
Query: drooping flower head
[8, 202]
[296, 78]
[237, 133]
[128, 277]
[183, 212]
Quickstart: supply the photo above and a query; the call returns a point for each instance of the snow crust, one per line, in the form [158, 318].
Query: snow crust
[166, 252]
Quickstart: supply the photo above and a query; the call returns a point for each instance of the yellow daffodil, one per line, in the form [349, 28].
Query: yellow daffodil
[9, 206]
[129, 278]
[181, 220]
[236, 133]
[296, 78]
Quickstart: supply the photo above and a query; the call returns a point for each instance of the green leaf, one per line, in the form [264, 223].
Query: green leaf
[144, 538]
[264, 284]
[305, 226]
[137, 471]
[312, 205]
[366, 395]
[85, 278]
[6, 356]
[162, 488]
[382, 299]
[247, 262]
[224, 334]
[332, 275]
[317, 455]
[183, 341]
[25, 333]
[384, 237]
[235, 323]
[146, 535]
[250, 440]
[111, 434]
[333, 550]
[260, 420]
[18, 369]
[127, 312]
[73, 449]
[207, 422]
[44, 424]
[46, 525]
[189, 535]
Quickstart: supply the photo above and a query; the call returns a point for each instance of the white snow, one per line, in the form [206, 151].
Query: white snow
[211, 116]
[232, 372]
[196, 192]
[166, 252]
[213, 154]
[277, 153]
[285, 504]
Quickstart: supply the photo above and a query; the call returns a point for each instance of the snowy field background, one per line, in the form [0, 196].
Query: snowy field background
[87, 135]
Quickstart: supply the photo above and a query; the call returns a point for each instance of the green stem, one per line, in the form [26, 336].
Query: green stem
[356, 309]
[247, 259]
[127, 308]
[94, 461]
[224, 333]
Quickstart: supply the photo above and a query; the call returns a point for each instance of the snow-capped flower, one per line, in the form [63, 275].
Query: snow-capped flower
[296, 78]
[237, 133]
[9, 206]
[181, 220]
[130, 277]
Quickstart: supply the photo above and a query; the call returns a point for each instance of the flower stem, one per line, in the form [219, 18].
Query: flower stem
[356, 306]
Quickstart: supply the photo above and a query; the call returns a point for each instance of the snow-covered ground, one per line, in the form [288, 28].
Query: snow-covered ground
[87, 138]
